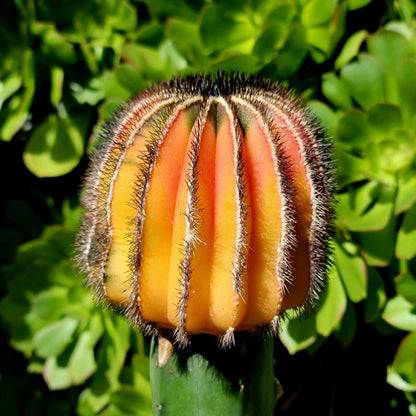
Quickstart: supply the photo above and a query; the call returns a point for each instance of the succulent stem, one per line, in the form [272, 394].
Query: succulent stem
[203, 380]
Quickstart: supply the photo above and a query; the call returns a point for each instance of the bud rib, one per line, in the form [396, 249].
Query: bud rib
[228, 279]
[160, 201]
[262, 169]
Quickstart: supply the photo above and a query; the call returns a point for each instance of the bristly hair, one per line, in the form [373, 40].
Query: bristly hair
[157, 109]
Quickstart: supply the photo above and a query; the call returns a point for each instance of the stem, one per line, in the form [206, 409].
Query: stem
[204, 380]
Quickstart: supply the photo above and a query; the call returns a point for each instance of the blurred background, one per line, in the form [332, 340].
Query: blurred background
[66, 65]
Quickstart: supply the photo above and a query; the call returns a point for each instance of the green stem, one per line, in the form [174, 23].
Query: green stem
[204, 380]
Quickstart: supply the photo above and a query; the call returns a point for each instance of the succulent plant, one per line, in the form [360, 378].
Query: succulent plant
[208, 207]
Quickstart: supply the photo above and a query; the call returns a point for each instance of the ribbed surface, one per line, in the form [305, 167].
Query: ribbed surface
[208, 207]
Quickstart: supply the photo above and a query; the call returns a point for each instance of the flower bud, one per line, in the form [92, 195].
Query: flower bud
[208, 207]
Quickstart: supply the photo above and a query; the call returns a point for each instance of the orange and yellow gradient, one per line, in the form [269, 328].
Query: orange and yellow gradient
[210, 208]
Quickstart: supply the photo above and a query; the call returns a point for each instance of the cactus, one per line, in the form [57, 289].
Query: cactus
[209, 205]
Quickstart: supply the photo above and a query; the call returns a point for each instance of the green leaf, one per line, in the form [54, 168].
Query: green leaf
[376, 297]
[129, 400]
[53, 339]
[364, 81]
[325, 114]
[140, 367]
[406, 238]
[357, 4]
[220, 28]
[277, 27]
[335, 91]
[377, 247]
[173, 61]
[333, 306]
[50, 304]
[298, 333]
[112, 87]
[56, 376]
[91, 94]
[82, 362]
[406, 76]
[354, 130]
[58, 48]
[318, 12]
[291, 55]
[242, 63]
[389, 48]
[350, 168]
[390, 155]
[9, 86]
[405, 284]
[55, 147]
[406, 193]
[367, 208]
[90, 404]
[351, 48]
[160, 9]
[353, 271]
[146, 59]
[400, 313]
[18, 107]
[319, 39]
[129, 78]
[185, 37]
[125, 18]
[346, 331]
[116, 336]
[402, 373]
[57, 82]
[385, 117]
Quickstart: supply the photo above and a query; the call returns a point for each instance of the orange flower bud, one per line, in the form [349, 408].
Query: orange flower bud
[208, 207]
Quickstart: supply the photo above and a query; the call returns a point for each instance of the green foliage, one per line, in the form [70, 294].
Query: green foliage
[54, 322]
[66, 65]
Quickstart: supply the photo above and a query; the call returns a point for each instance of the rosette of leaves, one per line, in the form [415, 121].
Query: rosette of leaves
[274, 36]
[50, 50]
[60, 61]
[65, 338]
[372, 116]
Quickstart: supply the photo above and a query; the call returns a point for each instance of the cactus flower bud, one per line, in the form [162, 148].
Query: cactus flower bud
[208, 207]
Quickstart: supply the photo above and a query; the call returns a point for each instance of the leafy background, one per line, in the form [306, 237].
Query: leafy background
[65, 65]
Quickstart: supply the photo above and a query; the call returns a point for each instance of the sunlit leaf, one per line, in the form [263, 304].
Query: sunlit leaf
[353, 129]
[406, 193]
[406, 238]
[364, 80]
[405, 284]
[52, 339]
[335, 91]
[333, 307]
[402, 373]
[353, 271]
[399, 313]
[55, 147]
[293, 52]
[351, 48]
[298, 333]
[385, 117]
[367, 208]
[357, 4]
[317, 12]
[220, 29]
